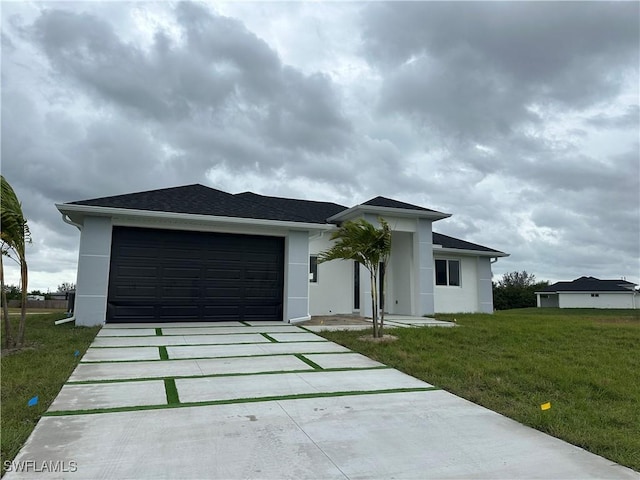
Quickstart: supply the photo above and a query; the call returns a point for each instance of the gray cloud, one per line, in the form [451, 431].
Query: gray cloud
[474, 68]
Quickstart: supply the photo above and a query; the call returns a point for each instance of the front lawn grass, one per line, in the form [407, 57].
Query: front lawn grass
[585, 362]
[40, 368]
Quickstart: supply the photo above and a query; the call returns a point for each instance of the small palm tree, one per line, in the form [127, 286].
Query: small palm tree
[359, 240]
[14, 235]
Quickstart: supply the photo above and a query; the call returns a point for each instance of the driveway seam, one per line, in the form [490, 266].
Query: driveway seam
[239, 374]
[237, 401]
[313, 441]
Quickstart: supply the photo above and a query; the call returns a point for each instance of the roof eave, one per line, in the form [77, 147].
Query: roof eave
[72, 210]
[396, 212]
[477, 253]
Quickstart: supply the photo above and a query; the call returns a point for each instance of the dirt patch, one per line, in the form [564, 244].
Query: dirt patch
[336, 320]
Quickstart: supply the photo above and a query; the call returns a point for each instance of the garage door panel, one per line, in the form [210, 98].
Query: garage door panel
[137, 291]
[179, 293]
[181, 311]
[142, 313]
[168, 275]
[227, 294]
[176, 273]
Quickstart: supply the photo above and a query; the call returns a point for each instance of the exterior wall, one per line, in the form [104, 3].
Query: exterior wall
[485, 286]
[399, 289]
[464, 298]
[333, 292]
[423, 298]
[551, 300]
[296, 276]
[603, 300]
[93, 272]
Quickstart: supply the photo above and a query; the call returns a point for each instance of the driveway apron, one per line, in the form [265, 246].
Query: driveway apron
[269, 400]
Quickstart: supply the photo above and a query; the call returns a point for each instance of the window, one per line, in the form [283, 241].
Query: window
[313, 269]
[448, 272]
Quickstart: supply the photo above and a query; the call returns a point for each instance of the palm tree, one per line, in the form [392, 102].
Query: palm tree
[14, 235]
[359, 240]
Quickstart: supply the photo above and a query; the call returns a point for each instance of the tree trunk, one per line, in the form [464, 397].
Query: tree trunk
[383, 301]
[374, 305]
[23, 303]
[8, 336]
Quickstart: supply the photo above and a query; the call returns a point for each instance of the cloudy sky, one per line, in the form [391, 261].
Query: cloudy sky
[520, 119]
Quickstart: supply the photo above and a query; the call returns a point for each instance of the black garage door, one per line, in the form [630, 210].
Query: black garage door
[175, 276]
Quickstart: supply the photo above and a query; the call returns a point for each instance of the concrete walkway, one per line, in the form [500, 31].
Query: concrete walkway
[268, 400]
[390, 321]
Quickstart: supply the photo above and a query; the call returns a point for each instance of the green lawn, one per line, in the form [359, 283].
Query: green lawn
[41, 369]
[585, 362]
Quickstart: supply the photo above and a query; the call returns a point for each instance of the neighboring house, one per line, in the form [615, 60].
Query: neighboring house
[59, 296]
[194, 253]
[590, 292]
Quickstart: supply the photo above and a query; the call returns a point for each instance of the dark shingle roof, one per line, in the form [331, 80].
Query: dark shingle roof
[590, 284]
[201, 200]
[451, 242]
[195, 199]
[391, 203]
[313, 211]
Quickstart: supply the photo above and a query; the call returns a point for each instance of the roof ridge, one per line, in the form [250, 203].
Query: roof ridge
[380, 201]
[289, 198]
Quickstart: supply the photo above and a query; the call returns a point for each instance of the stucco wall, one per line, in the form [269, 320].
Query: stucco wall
[400, 274]
[296, 268]
[603, 300]
[93, 271]
[423, 278]
[333, 293]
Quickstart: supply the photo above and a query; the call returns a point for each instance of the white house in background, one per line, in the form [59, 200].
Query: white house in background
[590, 292]
[194, 253]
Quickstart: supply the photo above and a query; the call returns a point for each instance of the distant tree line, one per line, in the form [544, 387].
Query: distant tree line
[14, 292]
[516, 290]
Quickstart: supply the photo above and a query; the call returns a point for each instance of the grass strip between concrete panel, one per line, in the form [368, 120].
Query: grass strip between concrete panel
[145, 379]
[94, 362]
[201, 344]
[159, 332]
[269, 337]
[311, 363]
[196, 334]
[245, 323]
[172, 391]
[164, 355]
[300, 396]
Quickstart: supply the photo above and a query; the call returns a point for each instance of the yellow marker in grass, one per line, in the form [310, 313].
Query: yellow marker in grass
[545, 406]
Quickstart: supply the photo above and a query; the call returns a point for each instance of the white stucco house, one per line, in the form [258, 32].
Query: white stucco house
[590, 292]
[194, 253]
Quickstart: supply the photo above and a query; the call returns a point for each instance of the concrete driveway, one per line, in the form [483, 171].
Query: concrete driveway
[269, 400]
